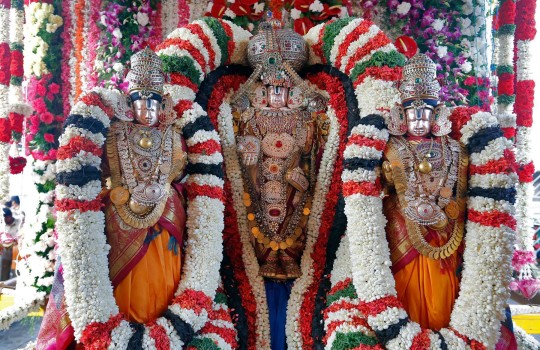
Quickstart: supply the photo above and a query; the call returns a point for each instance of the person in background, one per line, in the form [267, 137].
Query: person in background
[8, 239]
[15, 205]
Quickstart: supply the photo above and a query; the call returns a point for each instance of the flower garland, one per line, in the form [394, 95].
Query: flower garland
[5, 130]
[89, 298]
[452, 34]
[505, 67]
[18, 110]
[239, 252]
[475, 319]
[305, 14]
[524, 259]
[41, 54]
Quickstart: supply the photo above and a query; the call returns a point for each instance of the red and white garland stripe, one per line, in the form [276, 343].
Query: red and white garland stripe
[524, 257]
[5, 130]
[475, 319]
[81, 240]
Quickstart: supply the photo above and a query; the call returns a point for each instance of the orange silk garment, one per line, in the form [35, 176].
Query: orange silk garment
[144, 294]
[427, 291]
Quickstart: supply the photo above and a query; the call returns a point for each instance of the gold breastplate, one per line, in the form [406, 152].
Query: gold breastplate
[278, 206]
[143, 162]
[429, 199]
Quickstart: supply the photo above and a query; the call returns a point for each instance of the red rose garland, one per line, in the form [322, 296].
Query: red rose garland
[525, 33]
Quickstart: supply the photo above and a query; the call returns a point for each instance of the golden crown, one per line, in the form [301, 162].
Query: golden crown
[419, 79]
[146, 74]
[274, 44]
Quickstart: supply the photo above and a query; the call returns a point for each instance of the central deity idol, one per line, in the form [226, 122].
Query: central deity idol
[278, 135]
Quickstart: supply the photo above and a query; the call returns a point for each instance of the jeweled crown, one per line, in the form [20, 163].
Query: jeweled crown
[419, 79]
[274, 44]
[146, 74]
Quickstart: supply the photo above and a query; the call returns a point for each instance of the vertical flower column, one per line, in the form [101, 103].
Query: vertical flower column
[5, 130]
[505, 68]
[42, 66]
[18, 109]
[524, 258]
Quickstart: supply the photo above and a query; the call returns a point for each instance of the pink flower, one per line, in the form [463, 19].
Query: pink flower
[41, 90]
[39, 105]
[54, 88]
[49, 138]
[47, 117]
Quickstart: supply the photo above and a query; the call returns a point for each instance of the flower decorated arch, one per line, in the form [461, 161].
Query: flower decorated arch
[356, 64]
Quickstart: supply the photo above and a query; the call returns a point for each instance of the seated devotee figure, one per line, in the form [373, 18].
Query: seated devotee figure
[425, 179]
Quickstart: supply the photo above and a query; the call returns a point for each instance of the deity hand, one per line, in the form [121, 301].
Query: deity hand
[296, 178]
[249, 148]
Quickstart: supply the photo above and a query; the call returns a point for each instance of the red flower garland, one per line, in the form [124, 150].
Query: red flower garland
[231, 235]
[16, 165]
[334, 87]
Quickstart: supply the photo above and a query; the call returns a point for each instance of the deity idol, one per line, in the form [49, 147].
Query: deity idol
[145, 219]
[278, 138]
[425, 177]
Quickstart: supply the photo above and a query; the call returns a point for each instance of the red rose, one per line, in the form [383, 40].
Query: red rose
[16, 67]
[16, 165]
[54, 88]
[4, 78]
[302, 25]
[46, 117]
[49, 138]
[5, 131]
[16, 122]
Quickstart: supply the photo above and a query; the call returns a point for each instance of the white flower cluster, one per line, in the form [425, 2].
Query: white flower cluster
[39, 16]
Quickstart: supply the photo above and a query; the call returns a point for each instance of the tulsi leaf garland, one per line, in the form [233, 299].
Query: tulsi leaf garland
[475, 319]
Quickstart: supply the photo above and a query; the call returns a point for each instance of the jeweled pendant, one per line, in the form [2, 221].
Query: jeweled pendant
[145, 142]
[425, 167]
[137, 208]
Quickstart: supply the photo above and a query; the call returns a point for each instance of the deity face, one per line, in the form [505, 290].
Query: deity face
[277, 96]
[147, 111]
[419, 120]
[259, 98]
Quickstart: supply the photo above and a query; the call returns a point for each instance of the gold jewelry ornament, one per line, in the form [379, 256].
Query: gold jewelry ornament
[425, 167]
[119, 195]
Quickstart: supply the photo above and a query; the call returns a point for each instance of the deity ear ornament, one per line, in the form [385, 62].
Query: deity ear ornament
[397, 124]
[440, 124]
[167, 115]
[258, 96]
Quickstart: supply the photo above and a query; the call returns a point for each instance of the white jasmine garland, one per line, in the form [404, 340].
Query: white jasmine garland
[405, 338]
[382, 93]
[340, 38]
[356, 44]
[213, 41]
